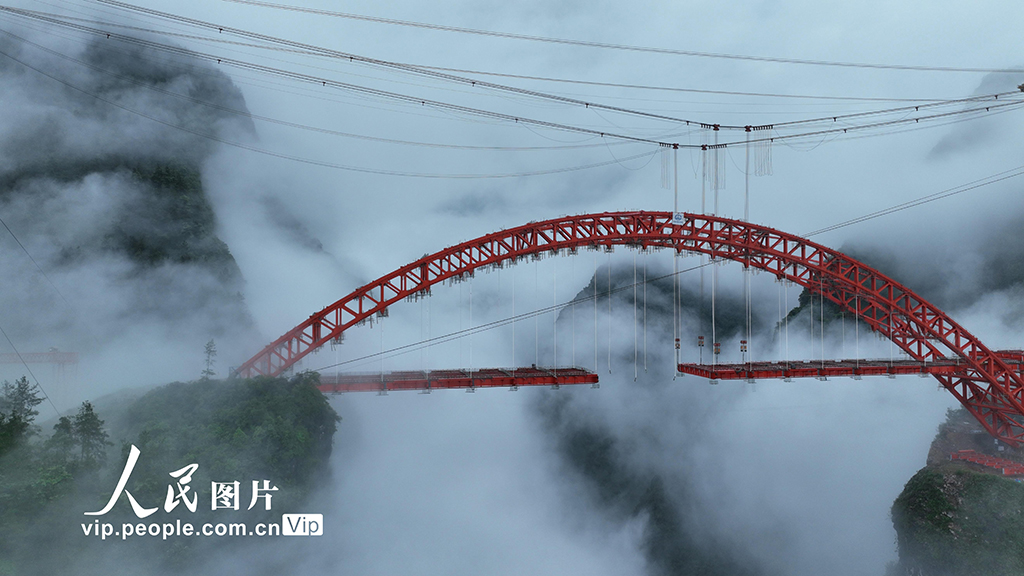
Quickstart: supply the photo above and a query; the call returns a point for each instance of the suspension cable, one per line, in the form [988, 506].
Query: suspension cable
[821, 305]
[716, 348]
[634, 320]
[574, 310]
[471, 276]
[609, 313]
[786, 292]
[514, 363]
[554, 316]
[675, 264]
[778, 328]
[703, 210]
[747, 356]
[856, 326]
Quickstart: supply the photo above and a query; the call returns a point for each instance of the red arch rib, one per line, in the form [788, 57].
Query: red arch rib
[984, 383]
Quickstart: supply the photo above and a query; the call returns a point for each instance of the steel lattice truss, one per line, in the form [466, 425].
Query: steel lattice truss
[985, 384]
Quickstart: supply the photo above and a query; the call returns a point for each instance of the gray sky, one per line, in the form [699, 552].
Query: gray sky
[468, 484]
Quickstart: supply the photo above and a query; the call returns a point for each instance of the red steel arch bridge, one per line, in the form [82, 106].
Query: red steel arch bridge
[988, 383]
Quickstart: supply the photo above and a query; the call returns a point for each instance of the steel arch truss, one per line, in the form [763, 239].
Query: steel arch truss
[986, 384]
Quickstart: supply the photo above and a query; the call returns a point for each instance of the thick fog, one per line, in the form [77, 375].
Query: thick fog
[650, 473]
[113, 251]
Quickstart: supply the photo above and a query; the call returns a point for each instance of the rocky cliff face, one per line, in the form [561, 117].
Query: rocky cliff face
[955, 518]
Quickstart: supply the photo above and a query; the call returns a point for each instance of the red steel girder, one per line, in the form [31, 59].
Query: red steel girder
[464, 379]
[1006, 467]
[994, 392]
[817, 369]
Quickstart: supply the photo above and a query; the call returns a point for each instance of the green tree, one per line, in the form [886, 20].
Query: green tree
[211, 353]
[87, 431]
[20, 399]
[12, 430]
[17, 412]
[62, 443]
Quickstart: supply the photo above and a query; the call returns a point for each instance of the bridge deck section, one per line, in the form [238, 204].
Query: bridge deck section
[1006, 467]
[465, 379]
[818, 369]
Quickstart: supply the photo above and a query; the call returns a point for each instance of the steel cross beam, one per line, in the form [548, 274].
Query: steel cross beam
[987, 386]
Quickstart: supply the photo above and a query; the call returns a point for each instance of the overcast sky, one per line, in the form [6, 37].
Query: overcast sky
[469, 484]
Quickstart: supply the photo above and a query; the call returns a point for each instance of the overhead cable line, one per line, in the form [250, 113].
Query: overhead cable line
[521, 91]
[495, 115]
[1004, 106]
[915, 108]
[612, 46]
[307, 127]
[34, 263]
[999, 177]
[325, 82]
[675, 88]
[356, 58]
[445, 106]
[434, 73]
[407, 98]
[916, 127]
[519, 76]
[324, 163]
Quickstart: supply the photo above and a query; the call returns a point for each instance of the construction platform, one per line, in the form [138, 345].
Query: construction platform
[818, 369]
[54, 356]
[425, 381]
[1004, 466]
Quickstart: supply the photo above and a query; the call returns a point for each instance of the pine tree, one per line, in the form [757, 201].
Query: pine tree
[17, 412]
[87, 431]
[20, 399]
[211, 353]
